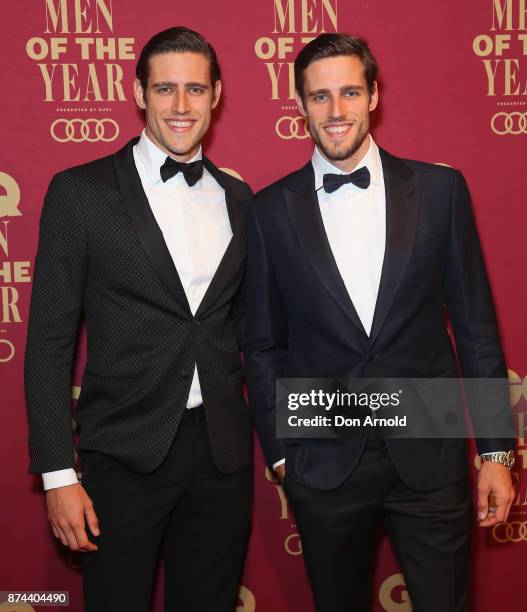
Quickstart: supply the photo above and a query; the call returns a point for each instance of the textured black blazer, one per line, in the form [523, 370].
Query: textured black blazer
[301, 321]
[102, 255]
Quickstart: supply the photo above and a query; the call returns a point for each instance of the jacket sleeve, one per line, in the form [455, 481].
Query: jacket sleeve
[473, 317]
[266, 339]
[56, 302]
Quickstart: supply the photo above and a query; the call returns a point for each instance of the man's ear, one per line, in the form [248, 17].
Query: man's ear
[216, 93]
[374, 98]
[139, 94]
[300, 104]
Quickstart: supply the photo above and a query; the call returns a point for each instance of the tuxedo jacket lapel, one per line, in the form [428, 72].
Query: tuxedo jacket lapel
[152, 237]
[145, 223]
[306, 220]
[402, 211]
[231, 258]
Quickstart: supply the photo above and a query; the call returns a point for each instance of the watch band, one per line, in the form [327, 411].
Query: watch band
[506, 458]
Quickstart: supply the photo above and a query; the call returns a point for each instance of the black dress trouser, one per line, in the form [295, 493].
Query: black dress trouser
[430, 533]
[185, 512]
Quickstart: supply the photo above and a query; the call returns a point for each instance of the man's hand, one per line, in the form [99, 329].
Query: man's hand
[495, 494]
[69, 509]
[280, 470]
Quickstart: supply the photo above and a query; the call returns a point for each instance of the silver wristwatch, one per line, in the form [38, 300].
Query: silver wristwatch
[506, 458]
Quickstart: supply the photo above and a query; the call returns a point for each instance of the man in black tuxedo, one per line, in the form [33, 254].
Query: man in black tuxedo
[149, 245]
[351, 262]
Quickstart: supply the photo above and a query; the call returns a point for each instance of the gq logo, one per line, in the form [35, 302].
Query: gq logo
[391, 602]
[288, 128]
[515, 531]
[84, 130]
[509, 123]
[11, 199]
[247, 599]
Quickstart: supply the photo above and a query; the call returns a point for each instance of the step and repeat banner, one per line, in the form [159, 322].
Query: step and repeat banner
[453, 90]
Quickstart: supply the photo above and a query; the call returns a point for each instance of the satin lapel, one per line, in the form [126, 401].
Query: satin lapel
[145, 224]
[402, 211]
[232, 256]
[304, 214]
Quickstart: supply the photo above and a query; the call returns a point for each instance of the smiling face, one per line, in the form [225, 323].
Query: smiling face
[178, 102]
[337, 105]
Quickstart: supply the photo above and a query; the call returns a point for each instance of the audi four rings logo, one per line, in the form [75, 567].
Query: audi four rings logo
[515, 531]
[84, 130]
[292, 127]
[509, 123]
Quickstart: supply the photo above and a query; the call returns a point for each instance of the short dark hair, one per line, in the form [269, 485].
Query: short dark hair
[176, 40]
[333, 45]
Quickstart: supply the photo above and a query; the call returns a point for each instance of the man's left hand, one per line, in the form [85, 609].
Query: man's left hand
[495, 493]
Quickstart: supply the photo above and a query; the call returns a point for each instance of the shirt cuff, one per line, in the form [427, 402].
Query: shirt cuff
[281, 462]
[485, 454]
[59, 478]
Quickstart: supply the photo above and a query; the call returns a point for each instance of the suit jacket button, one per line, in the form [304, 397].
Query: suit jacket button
[368, 357]
[184, 374]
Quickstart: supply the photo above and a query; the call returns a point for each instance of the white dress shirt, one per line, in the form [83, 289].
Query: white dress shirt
[355, 224]
[197, 231]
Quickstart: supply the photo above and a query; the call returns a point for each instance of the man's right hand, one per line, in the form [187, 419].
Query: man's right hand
[280, 470]
[69, 510]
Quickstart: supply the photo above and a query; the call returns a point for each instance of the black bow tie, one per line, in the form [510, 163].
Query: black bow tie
[360, 178]
[192, 172]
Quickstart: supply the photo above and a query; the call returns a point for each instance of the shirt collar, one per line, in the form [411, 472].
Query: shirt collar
[372, 161]
[153, 157]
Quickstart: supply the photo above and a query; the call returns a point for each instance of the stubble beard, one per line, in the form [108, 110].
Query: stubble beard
[340, 155]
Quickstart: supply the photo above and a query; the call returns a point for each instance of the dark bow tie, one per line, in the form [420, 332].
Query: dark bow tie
[360, 178]
[192, 172]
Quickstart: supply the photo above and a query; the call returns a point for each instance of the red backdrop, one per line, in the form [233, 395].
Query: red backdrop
[453, 90]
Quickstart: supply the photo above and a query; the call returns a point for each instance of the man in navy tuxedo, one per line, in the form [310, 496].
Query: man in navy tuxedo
[352, 261]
